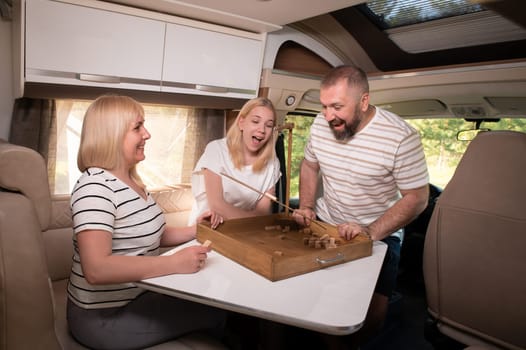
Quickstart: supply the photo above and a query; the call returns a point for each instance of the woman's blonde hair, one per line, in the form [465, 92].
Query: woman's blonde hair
[234, 137]
[106, 122]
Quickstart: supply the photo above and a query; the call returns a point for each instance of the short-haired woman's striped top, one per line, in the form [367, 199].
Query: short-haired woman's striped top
[100, 201]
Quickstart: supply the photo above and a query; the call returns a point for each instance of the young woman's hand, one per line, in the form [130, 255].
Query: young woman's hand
[214, 218]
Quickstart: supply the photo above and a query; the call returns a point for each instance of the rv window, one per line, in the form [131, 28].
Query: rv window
[300, 133]
[179, 136]
[439, 137]
[392, 14]
[442, 147]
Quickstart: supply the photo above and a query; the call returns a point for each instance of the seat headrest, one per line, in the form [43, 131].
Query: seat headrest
[24, 170]
[490, 175]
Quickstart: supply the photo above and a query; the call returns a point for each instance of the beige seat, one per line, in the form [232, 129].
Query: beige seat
[35, 260]
[474, 253]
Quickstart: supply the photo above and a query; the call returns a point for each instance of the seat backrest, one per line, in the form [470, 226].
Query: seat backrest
[474, 255]
[26, 302]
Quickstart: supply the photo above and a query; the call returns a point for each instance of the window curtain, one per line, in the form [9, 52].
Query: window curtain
[33, 125]
[281, 185]
[206, 125]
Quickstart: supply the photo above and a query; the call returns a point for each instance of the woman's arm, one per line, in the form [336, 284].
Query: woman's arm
[175, 235]
[264, 205]
[100, 266]
[217, 203]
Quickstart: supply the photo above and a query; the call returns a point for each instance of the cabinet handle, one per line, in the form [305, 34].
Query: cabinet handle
[209, 88]
[98, 78]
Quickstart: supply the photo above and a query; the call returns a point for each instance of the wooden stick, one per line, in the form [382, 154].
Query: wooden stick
[268, 195]
[289, 165]
[289, 127]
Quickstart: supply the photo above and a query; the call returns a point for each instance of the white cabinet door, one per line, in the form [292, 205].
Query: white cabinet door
[211, 63]
[71, 44]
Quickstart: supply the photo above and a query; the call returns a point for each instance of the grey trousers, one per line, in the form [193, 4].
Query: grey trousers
[150, 319]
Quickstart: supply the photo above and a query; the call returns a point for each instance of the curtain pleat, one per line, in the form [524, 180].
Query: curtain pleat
[281, 185]
[32, 124]
[204, 126]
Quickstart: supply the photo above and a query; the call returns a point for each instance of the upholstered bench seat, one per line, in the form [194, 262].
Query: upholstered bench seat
[35, 257]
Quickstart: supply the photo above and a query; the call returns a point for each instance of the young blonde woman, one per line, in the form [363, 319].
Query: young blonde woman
[246, 154]
[118, 230]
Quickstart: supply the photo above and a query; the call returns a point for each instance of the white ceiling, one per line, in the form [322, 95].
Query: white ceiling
[252, 15]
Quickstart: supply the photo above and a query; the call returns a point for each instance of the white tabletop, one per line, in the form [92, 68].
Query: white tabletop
[332, 300]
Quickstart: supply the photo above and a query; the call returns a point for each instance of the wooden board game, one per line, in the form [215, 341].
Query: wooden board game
[275, 247]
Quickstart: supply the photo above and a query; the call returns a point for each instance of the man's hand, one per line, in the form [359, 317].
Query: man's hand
[350, 230]
[303, 216]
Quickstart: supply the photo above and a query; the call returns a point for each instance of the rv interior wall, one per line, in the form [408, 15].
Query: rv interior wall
[6, 85]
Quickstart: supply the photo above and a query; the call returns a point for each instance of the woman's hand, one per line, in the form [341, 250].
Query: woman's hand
[214, 218]
[190, 259]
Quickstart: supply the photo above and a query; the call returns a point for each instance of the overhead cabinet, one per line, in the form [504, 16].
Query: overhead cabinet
[80, 44]
[211, 62]
[70, 44]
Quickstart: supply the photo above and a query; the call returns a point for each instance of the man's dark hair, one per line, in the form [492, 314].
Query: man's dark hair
[355, 76]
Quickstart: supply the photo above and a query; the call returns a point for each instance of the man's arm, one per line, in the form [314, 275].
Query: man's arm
[308, 183]
[412, 203]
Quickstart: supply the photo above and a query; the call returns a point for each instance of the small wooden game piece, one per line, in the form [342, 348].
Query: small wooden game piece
[331, 244]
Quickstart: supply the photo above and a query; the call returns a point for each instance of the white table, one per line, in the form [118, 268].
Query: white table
[332, 300]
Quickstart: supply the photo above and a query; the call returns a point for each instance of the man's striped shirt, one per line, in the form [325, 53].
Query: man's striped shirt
[362, 177]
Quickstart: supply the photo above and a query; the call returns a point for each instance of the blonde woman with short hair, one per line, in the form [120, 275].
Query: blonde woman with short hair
[118, 230]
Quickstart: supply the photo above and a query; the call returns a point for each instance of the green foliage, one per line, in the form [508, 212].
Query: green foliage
[443, 150]
[300, 134]
[439, 138]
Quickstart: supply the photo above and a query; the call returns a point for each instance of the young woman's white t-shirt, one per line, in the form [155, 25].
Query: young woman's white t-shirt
[216, 158]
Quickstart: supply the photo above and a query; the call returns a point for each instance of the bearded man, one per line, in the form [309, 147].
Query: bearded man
[374, 177]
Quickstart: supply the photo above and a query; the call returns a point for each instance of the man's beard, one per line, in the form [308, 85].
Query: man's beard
[348, 131]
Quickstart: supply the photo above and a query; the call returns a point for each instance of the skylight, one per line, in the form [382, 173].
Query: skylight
[388, 14]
